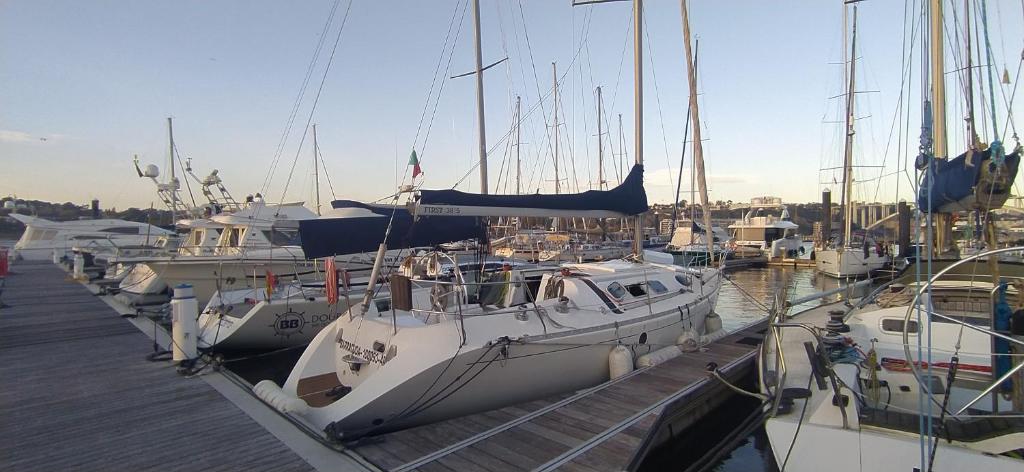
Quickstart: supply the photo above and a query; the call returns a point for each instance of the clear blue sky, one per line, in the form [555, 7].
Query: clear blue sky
[97, 80]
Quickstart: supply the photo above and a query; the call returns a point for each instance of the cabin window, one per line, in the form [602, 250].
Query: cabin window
[87, 238]
[282, 237]
[636, 290]
[895, 325]
[122, 230]
[616, 290]
[656, 286]
[234, 235]
[383, 306]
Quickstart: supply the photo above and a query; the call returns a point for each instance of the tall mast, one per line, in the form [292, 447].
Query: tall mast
[480, 99]
[698, 149]
[638, 113]
[622, 152]
[847, 197]
[600, 144]
[171, 180]
[972, 133]
[938, 83]
[316, 169]
[554, 81]
[519, 167]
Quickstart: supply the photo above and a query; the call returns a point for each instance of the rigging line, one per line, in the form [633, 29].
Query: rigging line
[286, 132]
[444, 80]
[316, 99]
[437, 69]
[182, 167]
[539, 102]
[326, 174]
[904, 82]
[1010, 123]
[657, 96]
[991, 87]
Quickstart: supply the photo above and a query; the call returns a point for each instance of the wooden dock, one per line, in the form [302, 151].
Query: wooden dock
[80, 395]
[610, 427]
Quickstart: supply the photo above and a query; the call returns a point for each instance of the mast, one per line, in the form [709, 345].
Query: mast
[316, 169]
[938, 83]
[172, 179]
[480, 99]
[972, 133]
[698, 148]
[519, 167]
[622, 152]
[847, 197]
[638, 113]
[600, 144]
[554, 80]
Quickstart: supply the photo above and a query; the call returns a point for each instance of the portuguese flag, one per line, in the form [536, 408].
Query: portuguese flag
[415, 163]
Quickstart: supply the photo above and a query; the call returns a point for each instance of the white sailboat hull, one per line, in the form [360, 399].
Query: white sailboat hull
[425, 372]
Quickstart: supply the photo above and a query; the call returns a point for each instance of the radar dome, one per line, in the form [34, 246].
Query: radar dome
[152, 171]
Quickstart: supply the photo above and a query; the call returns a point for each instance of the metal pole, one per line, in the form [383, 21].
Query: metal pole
[480, 99]
[600, 145]
[848, 154]
[698, 149]
[174, 191]
[938, 83]
[638, 112]
[554, 81]
[316, 169]
[519, 167]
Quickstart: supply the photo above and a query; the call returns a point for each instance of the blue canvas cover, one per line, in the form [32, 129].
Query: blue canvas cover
[629, 198]
[954, 180]
[323, 237]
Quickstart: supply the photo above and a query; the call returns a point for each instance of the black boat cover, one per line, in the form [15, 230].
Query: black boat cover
[629, 198]
[323, 237]
[954, 180]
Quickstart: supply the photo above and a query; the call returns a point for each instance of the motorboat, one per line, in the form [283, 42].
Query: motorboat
[774, 236]
[252, 242]
[689, 246]
[43, 238]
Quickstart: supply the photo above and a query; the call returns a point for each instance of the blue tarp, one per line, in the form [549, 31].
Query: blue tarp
[955, 181]
[629, 198]
[324, 237]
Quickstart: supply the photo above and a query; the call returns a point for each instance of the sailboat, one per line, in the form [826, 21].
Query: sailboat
[442, 348]
[852, 255]
[923, 374]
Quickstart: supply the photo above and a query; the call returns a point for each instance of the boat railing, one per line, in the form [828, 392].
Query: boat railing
[915, 367]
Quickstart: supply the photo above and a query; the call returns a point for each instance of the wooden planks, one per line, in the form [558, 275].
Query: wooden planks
[599, 431]
[79, 395]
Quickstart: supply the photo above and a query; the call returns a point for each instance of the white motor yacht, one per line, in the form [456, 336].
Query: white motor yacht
[42, 237]
[774, 236]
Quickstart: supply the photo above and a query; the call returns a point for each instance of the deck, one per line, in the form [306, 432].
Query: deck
[607, 428]
[80, 395]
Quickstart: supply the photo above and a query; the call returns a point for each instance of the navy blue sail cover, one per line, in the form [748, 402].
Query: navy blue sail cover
[954, 180]
[629, 198]
[323, 237]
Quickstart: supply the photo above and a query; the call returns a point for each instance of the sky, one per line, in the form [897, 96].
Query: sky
[85, 86]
